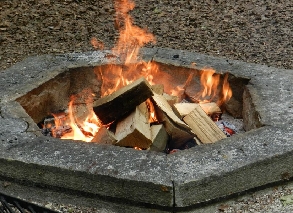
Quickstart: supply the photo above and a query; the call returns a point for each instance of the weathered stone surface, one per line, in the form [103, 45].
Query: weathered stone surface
[106, 170]
[239, 163]
[185, 178]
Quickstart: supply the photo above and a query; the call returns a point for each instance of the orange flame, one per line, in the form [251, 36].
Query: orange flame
[226, 91]
[211, 89]
[151, 108]
[81, 129]
[209, 82]
[131, 37]
[114, 77]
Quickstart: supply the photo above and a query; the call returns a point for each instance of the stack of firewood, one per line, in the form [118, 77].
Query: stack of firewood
[132, 125]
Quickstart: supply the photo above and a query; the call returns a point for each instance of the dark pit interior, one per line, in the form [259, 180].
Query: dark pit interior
[54, 95]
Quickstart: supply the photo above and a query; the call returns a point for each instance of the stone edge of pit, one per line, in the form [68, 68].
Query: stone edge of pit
[232, 157]
[241, 162]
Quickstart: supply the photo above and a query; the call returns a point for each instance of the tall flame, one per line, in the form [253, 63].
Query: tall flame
[214, 88]
[131, 37]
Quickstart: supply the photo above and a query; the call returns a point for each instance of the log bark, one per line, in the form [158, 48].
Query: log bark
[123, 101]
[203, 127]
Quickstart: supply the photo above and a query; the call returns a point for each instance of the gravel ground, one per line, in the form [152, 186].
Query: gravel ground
[258, 31]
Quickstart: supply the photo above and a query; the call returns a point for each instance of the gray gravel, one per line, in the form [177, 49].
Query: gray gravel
[257, 31]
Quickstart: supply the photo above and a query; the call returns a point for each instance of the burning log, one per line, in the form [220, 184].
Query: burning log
[134, 130]
[202, 125]
[178, 131]
[118, 104]
[104, 136]
[159, 138]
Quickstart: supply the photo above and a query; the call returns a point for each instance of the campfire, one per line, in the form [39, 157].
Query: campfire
[142, 107]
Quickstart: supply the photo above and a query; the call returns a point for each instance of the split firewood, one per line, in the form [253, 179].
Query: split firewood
[203, 127]
[177, 134]
[211, 108]
[163, 104]
[104, 136]
[134, 130]
[158, 88]
[183, 109]
[171, 99]
[123, 101]
[159, 138]
[178, 131]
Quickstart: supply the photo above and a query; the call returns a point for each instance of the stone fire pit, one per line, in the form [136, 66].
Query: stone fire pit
[262, 155]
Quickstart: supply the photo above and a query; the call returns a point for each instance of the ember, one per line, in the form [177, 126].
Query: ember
[134, 110]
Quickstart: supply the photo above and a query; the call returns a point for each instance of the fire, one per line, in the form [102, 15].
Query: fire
[81, 128]
[209, 82]
[131, 37]
[211, 91]
[226, 91]
[151, 109]
[97, 44]
[114, 77]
